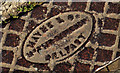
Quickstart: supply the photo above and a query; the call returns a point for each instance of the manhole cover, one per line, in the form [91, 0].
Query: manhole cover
[58, 37]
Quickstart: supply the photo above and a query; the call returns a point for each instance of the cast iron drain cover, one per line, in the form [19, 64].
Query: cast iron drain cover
[69, 31]
[63, 36]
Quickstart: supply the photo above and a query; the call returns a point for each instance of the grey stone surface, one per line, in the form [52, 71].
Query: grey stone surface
[10, 8]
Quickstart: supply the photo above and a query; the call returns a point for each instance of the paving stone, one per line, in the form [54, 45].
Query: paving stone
[78, 6]
[31, 25]
[7, 56]
[42, 67]
[111, 24]
[86, 54]
[114, 8]
[84, 68]
[17, 25]
[104, 55]
[62, 67]
[104, 38]
[12, 42]
[97, 6]
[39, 12]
